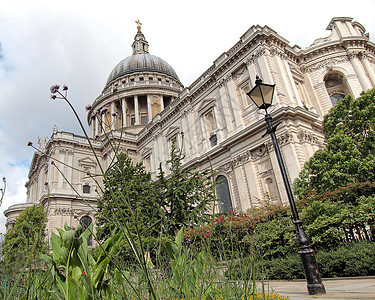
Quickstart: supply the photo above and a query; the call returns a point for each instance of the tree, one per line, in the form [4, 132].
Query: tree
[165, 205]
[128, 197]
[185, 195]
[27, 232]
[349, 155]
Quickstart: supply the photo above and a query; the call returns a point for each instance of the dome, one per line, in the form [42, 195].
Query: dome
[141, 62]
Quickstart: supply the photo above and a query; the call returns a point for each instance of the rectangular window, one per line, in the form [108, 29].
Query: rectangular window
[213, 140]
[86, 189]
[143, 119]
[132, 121]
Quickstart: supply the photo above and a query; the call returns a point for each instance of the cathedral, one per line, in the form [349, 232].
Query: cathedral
[143, 108]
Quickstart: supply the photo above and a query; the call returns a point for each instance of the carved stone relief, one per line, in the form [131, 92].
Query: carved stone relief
[323, 64]
[309, 137]
[283, 139]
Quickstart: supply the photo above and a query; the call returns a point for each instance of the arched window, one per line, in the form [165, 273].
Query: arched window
[85, 222]
[336, 86]
[223, 195]
[335, 98]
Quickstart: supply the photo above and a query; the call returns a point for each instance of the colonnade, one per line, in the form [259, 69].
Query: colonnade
[96, 128]
[361, 64]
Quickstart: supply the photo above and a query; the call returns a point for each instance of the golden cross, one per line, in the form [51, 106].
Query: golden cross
[139, 25]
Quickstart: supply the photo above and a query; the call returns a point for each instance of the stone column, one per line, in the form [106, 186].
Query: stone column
[192, 132]
[123, 106]
[61, 167]
[102, 129]
[234, 103]
[161, 103]
[112, 115]
[368, 68]
[136, 112]
[184, 129]
[226, 110]
[149, 112]
[96, 125]
[92, 127]
[358, 71]
[155, 152]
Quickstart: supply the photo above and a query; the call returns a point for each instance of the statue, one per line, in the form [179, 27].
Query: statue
[139, 25]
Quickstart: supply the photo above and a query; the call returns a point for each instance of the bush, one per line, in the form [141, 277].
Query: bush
[356, 259]
[288, 268]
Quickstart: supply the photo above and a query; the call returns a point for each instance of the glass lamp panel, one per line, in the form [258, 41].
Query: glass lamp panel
[267, 91]
[256, 96]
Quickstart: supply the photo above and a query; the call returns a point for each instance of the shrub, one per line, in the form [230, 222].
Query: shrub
[355, 259]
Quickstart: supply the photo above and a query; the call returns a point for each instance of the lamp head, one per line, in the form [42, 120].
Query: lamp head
[262, 94]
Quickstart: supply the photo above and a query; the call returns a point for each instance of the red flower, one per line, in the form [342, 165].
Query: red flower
[54, 88]
[88, 107]
[29, 144]
[65, 87]
[53, 97]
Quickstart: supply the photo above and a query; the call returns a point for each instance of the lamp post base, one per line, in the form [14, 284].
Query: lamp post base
[316, 289]
[314, 282]
[310, 267]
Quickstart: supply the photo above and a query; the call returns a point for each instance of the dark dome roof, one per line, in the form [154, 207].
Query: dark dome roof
[141, 62]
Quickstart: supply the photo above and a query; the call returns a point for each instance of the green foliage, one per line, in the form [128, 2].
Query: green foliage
[184, 195]
[354, 259]
[196, 275]
[271, 230]
[128, 196]
[27, 232]
[275, 238]
[75, 274]
[349, 156]
[287, 268]
[327, 218]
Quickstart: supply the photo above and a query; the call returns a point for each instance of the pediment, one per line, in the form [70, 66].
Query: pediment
[87, 161]
[172, 131]
[146, 151]
[205, 105]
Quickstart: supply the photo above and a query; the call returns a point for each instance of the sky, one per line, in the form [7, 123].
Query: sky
[78, 42]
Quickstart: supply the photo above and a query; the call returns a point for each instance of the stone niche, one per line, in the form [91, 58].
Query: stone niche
[155, 105]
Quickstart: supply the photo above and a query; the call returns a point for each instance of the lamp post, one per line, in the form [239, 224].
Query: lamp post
[262, 95]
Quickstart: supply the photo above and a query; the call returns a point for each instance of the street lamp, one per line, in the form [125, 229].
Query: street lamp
[262, 95]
